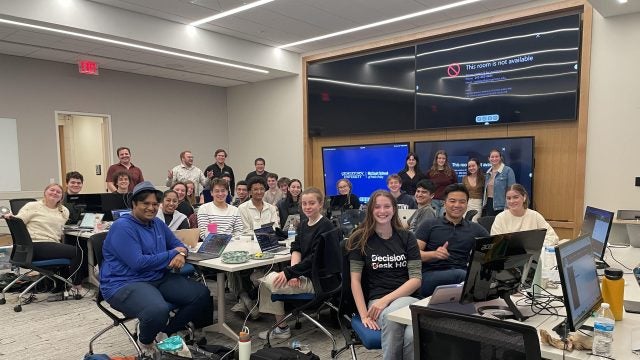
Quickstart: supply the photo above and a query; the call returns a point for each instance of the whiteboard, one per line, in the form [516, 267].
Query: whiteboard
[9, 160]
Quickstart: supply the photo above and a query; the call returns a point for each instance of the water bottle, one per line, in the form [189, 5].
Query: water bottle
[244, 346]
[296, 344]
[548, 265]
[603, 331]
[613, 291]
[292, 231]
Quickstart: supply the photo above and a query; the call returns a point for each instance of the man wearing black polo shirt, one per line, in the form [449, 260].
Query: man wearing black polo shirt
[445, 243]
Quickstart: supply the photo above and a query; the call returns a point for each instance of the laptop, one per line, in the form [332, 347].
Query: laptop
[447, 297]
[89, 221]
[211, 248]
[116, 214]
[268, 240]
[404, 215]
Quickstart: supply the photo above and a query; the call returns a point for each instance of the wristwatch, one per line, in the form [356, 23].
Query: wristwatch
[183, 254]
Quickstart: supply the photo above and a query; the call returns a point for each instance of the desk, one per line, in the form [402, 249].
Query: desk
[85, 235]
[237, 244]
[622, 332]
[632, 231]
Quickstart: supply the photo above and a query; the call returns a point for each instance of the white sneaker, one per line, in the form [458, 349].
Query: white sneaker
[277, 333]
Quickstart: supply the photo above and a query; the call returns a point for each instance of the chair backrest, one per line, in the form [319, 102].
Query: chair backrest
[486, 222]
[438, 334]
[470, 214]
[97, 241]
[22, 251]
[189, 237]
[347, 303]
[326, 270]
[17, 204]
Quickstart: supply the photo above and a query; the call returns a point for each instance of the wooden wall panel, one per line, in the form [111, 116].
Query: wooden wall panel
[560, 147]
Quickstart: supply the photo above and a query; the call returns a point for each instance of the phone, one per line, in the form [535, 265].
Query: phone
[632, 306]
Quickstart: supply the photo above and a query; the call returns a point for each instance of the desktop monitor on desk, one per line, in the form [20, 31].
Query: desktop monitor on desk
[597, 225]
[579, 280]
[87, 202]
[500, 265]
[114, 201]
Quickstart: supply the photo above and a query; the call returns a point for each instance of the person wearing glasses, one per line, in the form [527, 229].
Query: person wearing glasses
[137, 277]
[345, 200]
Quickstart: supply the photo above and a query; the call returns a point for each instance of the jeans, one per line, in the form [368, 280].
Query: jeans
[438, 207]
[434, 278]
[151, 302]
[397, 339]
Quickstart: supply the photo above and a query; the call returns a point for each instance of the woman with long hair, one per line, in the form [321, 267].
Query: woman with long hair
[183, 203]
[167, 212]
[498, 178]
[385, 270]
[474, 182]
[191, 195]
[346, 199]
[290, 205]
[441, 175]
[411, 174]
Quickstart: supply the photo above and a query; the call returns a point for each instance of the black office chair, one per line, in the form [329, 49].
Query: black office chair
[22, 256]
[486, 222]
[17, 204]
[470, 214]
[326, 276]
[444, 335]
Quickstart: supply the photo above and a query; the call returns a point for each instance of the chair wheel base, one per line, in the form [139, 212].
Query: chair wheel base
[17, 308]
[3, 301]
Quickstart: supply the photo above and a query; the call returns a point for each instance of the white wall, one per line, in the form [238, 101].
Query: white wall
[614, 114]
[157, 118]
[265, 120]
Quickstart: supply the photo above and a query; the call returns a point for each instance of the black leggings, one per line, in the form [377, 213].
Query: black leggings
[46, 250]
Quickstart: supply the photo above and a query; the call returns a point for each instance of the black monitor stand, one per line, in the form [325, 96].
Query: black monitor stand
[601, 264]
[511, 307]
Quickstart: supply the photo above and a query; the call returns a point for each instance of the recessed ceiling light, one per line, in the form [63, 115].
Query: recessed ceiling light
[132, 45]
[380, 23]
[622, 1]
[230, 12]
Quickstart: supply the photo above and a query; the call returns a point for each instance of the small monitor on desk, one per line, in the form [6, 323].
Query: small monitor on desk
[579, 280]
[500, 265]
[597, 225]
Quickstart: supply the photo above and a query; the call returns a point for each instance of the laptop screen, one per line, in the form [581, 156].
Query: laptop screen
[117, 213]
[267, 238]
[90, 220]
[214, 244]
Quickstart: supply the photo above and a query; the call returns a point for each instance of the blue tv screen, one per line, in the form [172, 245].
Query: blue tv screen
[518, 154]
[366, 166]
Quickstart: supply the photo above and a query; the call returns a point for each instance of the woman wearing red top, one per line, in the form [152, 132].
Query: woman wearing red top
[441, 174]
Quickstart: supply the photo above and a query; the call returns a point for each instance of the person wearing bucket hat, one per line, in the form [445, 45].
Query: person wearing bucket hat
[136, 276]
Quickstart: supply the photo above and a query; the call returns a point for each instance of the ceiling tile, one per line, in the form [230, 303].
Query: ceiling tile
[16, 49]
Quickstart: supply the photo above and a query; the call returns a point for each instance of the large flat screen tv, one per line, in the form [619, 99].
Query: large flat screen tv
[521, 73]
[363, 94]
[518, 153]
[366, 166]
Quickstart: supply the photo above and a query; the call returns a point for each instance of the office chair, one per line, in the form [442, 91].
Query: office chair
[22, 256]
[17, 204]
[470, 214]
[351, 326]
[326, 276]
[444, 335]
[486, 222]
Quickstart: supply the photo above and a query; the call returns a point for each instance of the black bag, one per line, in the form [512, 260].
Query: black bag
[282, 353]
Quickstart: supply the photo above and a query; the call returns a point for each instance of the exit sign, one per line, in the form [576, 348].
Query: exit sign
[88, 67]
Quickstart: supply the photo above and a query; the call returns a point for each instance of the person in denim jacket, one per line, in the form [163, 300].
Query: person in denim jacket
[497, 179]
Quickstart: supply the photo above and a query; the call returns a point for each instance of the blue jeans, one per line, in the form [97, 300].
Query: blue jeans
[397, 339]
[438, 207]
[435, 278]
[151, 302]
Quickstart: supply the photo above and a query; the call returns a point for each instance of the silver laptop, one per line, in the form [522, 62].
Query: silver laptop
[404, 215]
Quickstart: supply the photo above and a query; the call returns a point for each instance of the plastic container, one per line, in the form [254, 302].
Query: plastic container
[244, 346]
[613, 291]
[292, 231]
[603, 327]
[548, 265]
[296, 344]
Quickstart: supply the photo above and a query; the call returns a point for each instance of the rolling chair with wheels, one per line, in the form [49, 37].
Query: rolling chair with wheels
[486, 222]
[470, 214]
[22, 256]
[326, 276]
[17, 204]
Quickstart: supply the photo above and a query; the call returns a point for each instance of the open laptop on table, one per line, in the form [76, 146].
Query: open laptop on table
[268, 240]
[89, 221]
[211, 248]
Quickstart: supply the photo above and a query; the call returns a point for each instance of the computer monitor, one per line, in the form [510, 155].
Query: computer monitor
[500, 265]
[579, 280]
[597, 224]
[444, 335]
[114, 201]
[87, 202]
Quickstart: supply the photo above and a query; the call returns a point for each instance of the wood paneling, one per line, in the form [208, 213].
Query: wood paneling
[560, 147]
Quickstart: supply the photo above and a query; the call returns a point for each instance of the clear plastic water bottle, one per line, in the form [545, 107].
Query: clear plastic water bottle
[291, 233]
[548, 265]
[603, 331]
[296, 344]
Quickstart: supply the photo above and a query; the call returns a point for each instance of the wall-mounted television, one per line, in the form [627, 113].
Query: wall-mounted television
[366, 166]
[521, 73]
[362, 94]
[518, 153]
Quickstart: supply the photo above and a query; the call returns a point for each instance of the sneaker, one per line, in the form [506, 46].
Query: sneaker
[239, 308]
[149, 352]
[277, 333]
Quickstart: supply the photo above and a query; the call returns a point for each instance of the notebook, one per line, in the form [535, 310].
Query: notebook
[211, 248]
[268, 240]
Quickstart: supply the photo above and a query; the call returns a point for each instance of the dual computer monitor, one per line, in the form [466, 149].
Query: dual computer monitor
[597, 225]
[100, 203]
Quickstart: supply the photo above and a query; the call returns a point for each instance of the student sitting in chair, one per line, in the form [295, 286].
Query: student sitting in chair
[296, 278]
[168, 214]
[137, 278]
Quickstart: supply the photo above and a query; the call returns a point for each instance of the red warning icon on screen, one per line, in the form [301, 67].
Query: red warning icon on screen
[453, 70]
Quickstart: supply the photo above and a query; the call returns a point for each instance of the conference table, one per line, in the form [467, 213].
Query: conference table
[243, 243]
[619, 257]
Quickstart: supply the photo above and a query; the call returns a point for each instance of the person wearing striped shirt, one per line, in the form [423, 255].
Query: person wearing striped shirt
[225, 216]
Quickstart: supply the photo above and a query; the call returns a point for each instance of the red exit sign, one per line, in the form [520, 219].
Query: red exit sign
[88, 67]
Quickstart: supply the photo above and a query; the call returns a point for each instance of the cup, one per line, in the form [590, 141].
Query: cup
[212, 228]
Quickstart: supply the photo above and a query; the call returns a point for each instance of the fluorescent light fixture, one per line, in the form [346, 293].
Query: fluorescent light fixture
[383, 22]
[230, 12]
[132, 45]
[622, 1]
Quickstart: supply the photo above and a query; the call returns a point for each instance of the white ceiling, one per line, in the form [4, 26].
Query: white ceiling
[273, 24]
